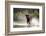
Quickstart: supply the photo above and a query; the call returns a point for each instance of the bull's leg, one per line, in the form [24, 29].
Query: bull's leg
[28, 22]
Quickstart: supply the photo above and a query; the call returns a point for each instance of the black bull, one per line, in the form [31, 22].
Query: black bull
[29, 18]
